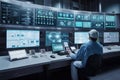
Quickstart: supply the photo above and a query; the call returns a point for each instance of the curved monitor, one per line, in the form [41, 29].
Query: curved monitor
[22, 38]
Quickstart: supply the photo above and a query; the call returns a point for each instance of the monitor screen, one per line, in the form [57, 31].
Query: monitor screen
[111, 37]
[56, 37]
[110, 18]
[86, 24]
[57, 47]
[97, 17]
[81, 37]
[82, 16]
[78, 24]
[65, 19]
[22, 38]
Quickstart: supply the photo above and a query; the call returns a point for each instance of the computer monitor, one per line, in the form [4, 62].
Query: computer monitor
[22, 38]
[78, 24]
[56, 37]
[110, 21]
[57, 47]
[53, 37]
[111, 37]
[81, 37]
[86, 24]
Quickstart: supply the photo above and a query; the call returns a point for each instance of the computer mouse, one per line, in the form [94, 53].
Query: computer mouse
[52, 56]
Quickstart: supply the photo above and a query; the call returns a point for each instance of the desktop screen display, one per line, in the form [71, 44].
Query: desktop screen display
[57, 47]
[81, 37]
[111, 37]
[56, 37]
[22, 38]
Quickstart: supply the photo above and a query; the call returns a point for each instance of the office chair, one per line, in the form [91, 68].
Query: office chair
[93, 66]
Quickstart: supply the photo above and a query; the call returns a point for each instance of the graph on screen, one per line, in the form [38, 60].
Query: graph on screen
[65, 19]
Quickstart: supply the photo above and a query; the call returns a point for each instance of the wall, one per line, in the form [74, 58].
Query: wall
[40, 2]
[110, 6]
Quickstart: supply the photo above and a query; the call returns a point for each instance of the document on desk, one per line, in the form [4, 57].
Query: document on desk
[17, 54]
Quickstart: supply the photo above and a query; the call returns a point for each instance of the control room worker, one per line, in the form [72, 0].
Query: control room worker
[87, 49]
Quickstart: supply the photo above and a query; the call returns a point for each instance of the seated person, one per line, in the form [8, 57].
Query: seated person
[87, 49]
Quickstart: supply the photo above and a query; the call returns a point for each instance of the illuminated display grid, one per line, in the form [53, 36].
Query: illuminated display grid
[82, 20]
[45, 17]
[65, 19]
[110, 21]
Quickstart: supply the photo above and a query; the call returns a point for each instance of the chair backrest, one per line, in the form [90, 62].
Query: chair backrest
[93, 64]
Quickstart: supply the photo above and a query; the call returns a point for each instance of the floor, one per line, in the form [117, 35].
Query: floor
[109, 75]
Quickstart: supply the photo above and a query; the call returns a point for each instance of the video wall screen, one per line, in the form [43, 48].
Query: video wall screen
[10, 14]
[65, 19]
[22, 38]
[45, 17]
[110, 21]
[82, 20]
[97, 20]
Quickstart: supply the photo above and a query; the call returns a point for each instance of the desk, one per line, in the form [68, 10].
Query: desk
[113, 52]
[31, 65]
[20, 67]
